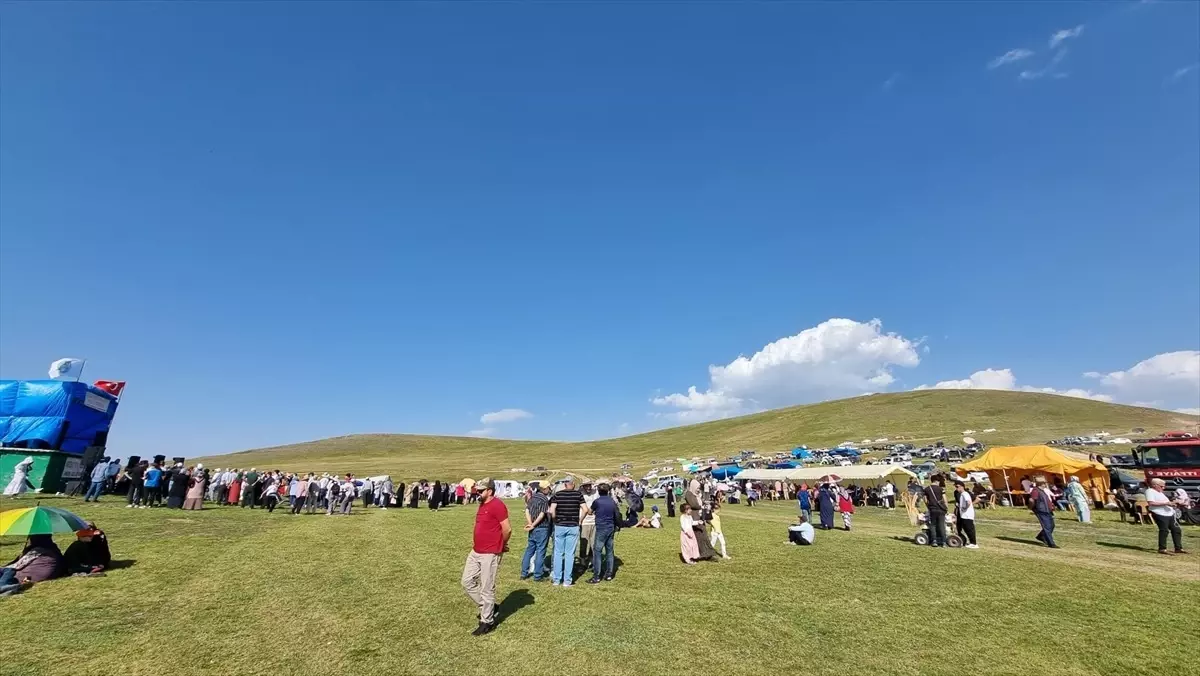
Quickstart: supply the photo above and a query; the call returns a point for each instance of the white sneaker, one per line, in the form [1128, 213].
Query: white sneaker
[556, 584]
[972, 546]
[128, 506]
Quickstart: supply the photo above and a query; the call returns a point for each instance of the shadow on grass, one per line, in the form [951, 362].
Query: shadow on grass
[901, 538]
[1022, 541]
[117, 564]
[1118, 545]
[516, 600]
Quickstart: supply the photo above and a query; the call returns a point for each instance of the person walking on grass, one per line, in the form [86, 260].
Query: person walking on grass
[935, 502]
[490, 541]
[689, 550]
[567, 509]
[607, 519]
[825, 500]
[537, 527]
[1162, 510]
[1079, 500]
[587, 526]
[99, 473]
[1041, 503]
[718, 535]
[846, 506]
[804, 498]
[964, 514]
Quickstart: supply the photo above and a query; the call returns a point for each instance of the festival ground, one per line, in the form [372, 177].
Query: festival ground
[228, 590]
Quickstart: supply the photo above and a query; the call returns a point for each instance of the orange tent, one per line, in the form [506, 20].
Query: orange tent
[1006, 465]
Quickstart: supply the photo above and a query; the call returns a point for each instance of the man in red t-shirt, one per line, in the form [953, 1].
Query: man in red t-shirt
[483, 563]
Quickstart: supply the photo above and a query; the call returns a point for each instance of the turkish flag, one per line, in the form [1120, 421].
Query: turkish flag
[113, 387]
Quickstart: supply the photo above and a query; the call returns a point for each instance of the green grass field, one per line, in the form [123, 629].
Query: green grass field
[920, 417]
[233, 591]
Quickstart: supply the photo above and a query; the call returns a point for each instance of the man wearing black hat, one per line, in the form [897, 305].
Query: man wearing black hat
[483, 563]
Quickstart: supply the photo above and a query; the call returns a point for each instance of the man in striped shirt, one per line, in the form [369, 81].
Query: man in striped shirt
[537, 525]
[567, 508]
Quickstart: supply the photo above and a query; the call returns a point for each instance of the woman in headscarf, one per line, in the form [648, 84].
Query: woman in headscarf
[825, 501]
[435, 495]
[688, 542]
[40, 560]
[194, 497]
[235, 490]
[177, 491]
[670, 501]
[1078, 499]
[20, 481]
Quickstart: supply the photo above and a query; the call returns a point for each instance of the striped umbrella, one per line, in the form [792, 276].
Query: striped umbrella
[39, 521]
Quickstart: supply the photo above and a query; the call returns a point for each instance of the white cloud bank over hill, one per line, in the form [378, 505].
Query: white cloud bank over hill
[1167, 380]
[842, 358]
[837, 358]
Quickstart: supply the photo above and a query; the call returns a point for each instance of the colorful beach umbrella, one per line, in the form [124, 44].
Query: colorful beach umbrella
[39, 520]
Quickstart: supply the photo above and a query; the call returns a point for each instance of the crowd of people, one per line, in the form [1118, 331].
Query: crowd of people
[154, 484]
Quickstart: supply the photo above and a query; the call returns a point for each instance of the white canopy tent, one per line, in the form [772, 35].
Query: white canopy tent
[863, 475]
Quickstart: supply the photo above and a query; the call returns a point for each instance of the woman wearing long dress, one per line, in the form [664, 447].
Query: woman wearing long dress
[688, 545]
[235, 490]
[20, 481]
[670, 502]
[195, 490]
[177, 491]
[825, 501]
[435, 495]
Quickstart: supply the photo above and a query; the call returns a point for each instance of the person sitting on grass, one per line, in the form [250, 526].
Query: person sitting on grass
[802, 533]
[41, 560]
[88, 554]
[655, 517]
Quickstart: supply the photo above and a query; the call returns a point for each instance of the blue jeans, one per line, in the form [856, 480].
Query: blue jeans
[603, 543]
[1046, 535]
[565, 540]
[93, 491]
[8, 576]
[807, 514]
[535, 550]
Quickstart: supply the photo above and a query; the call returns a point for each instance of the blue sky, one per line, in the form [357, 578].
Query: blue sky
[286, 221]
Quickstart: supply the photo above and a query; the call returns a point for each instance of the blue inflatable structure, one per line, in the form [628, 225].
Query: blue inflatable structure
[54, 415]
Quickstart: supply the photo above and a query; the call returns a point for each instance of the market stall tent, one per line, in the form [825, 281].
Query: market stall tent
[861, 475]
[1007, 465]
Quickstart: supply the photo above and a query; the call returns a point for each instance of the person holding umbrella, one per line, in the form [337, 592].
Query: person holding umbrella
[825, 502]
[41, 558]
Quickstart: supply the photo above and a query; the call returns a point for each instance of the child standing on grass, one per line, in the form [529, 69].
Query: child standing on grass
[688, 548]
[717, 534]
[847, 507]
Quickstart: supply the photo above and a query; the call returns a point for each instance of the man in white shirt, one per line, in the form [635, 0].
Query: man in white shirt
[802, 533]
[1163, 513]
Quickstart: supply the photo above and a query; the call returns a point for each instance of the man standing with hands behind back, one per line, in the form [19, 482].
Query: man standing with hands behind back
[483, 563]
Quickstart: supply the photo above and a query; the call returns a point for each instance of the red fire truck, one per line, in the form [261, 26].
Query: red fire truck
[1175, 458]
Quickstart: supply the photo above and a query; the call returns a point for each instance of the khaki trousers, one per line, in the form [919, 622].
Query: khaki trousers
[479, 581]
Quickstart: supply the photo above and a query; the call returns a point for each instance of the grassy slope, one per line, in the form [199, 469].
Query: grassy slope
[925, 416]
[235, 591]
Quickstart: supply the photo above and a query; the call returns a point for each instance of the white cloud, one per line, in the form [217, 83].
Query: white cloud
[485, 432]
[1003, 379]
[504, 415]
[987, 379]
[1050, 70]
[1065, 34]
[1164, 380]
[1188, 411]
[1181, 73]
[836, 358]
[1011, 56]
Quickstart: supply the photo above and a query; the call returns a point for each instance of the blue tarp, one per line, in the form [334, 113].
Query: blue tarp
[801, 452]
[725, 471]
[52, 414]
[785, 464]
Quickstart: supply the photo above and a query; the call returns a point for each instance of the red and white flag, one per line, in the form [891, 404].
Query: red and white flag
[113, 387]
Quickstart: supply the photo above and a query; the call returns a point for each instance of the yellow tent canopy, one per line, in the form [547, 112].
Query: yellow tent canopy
[1007, 465]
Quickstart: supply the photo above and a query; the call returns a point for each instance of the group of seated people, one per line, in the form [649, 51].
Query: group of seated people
[42, 560]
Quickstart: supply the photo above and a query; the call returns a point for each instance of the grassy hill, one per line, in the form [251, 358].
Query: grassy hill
[926, 416]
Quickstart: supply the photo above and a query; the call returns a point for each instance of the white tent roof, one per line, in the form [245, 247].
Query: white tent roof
[855, 474]
[763, 474]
